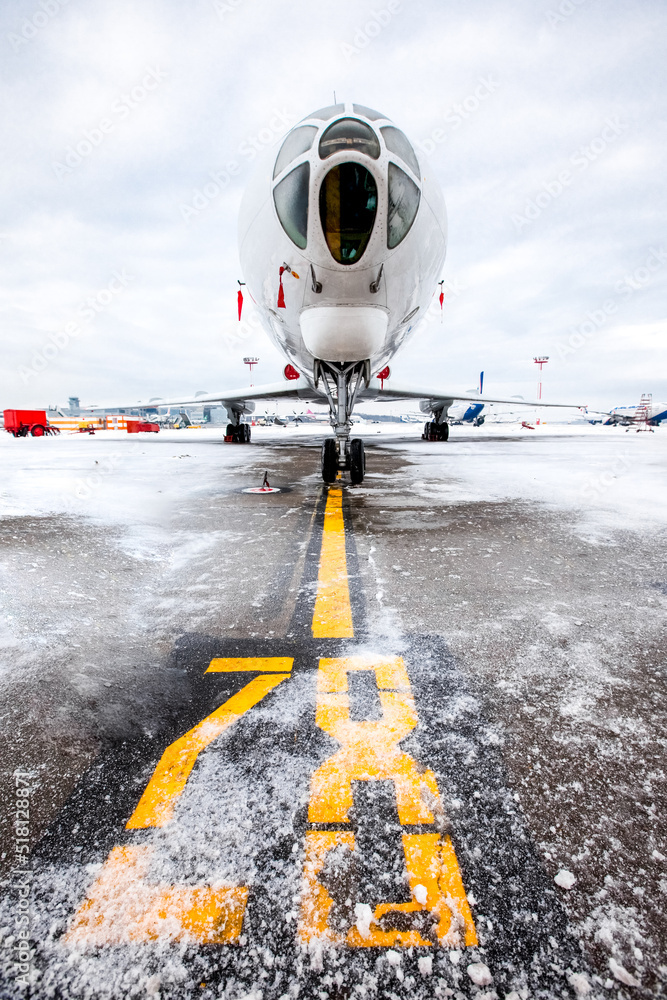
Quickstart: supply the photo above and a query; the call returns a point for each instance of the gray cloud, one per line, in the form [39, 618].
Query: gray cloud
[154, 103]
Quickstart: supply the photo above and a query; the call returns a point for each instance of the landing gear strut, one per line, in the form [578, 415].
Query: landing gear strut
[342, 382]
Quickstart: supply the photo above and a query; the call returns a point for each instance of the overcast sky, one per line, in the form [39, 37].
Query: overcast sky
[544, 121]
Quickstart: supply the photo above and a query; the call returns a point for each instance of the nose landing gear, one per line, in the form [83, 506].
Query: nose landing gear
[342, 382]
[329, 460]
[354, 460]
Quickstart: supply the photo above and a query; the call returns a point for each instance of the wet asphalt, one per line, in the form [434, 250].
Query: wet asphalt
[534, 640]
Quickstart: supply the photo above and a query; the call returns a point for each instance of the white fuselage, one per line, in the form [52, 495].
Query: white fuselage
[342, 311]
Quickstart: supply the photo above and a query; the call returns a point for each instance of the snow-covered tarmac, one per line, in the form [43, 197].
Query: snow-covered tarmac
[520, 574]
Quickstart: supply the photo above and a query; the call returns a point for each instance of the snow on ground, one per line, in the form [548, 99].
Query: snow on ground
[537, 556]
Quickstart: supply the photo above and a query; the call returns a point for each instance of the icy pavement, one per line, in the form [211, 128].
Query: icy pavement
[521, 578]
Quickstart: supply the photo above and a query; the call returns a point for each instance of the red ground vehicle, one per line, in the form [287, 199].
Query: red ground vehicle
[20, 423]
[136, 426]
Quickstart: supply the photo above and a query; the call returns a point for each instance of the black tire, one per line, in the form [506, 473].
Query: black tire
[425, 431]
[246, 433]
[329, 460]
[357, 461]
[230, 431]
[444, 431]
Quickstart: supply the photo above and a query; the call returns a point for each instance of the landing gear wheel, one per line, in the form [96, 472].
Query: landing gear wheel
[246, 433]
[329, 460]
[436, 432]
[357, 461]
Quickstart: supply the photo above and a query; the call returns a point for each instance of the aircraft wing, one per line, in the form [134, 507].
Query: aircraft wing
[242, 400]
[432, 400]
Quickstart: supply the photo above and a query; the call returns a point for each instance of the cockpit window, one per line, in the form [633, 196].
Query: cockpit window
[348, 134]
[372, 116]
[402, 207]
[348, 205]
[324, 114]
[291, 200]
[297, 142]
[398, 144]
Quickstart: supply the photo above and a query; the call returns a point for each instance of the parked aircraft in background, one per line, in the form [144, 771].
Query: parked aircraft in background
[469, 413]
[646, 413]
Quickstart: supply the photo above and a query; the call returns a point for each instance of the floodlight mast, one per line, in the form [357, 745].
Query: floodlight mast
[250, 362]
[540, 362]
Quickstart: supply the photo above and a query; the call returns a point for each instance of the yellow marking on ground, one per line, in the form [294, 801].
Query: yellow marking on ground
[332, 618]
[263, 664]
[431, 864]
[122, 907]
[156, 806]
[370, 752]
[316, 902]
[390, 672]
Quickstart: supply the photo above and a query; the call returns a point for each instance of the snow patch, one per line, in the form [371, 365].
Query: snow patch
[564, 879]
[480, 974]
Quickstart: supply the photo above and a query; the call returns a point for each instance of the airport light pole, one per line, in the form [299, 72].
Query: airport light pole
[250, 362]
[540, 362]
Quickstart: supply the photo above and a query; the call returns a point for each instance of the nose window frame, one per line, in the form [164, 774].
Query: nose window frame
[291, 198]
[349, 135]
[296, 143]
[403, 200]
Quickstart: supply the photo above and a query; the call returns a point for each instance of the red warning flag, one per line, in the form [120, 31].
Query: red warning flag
[442, 299]
[383, 375]
[281, 291]
[240, 301]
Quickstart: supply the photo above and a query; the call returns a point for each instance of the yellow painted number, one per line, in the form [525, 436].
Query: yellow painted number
[370, 752]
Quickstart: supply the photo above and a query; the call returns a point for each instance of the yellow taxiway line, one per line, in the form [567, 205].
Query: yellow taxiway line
[332, 618]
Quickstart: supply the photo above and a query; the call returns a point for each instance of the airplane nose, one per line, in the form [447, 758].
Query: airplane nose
[343, 333]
